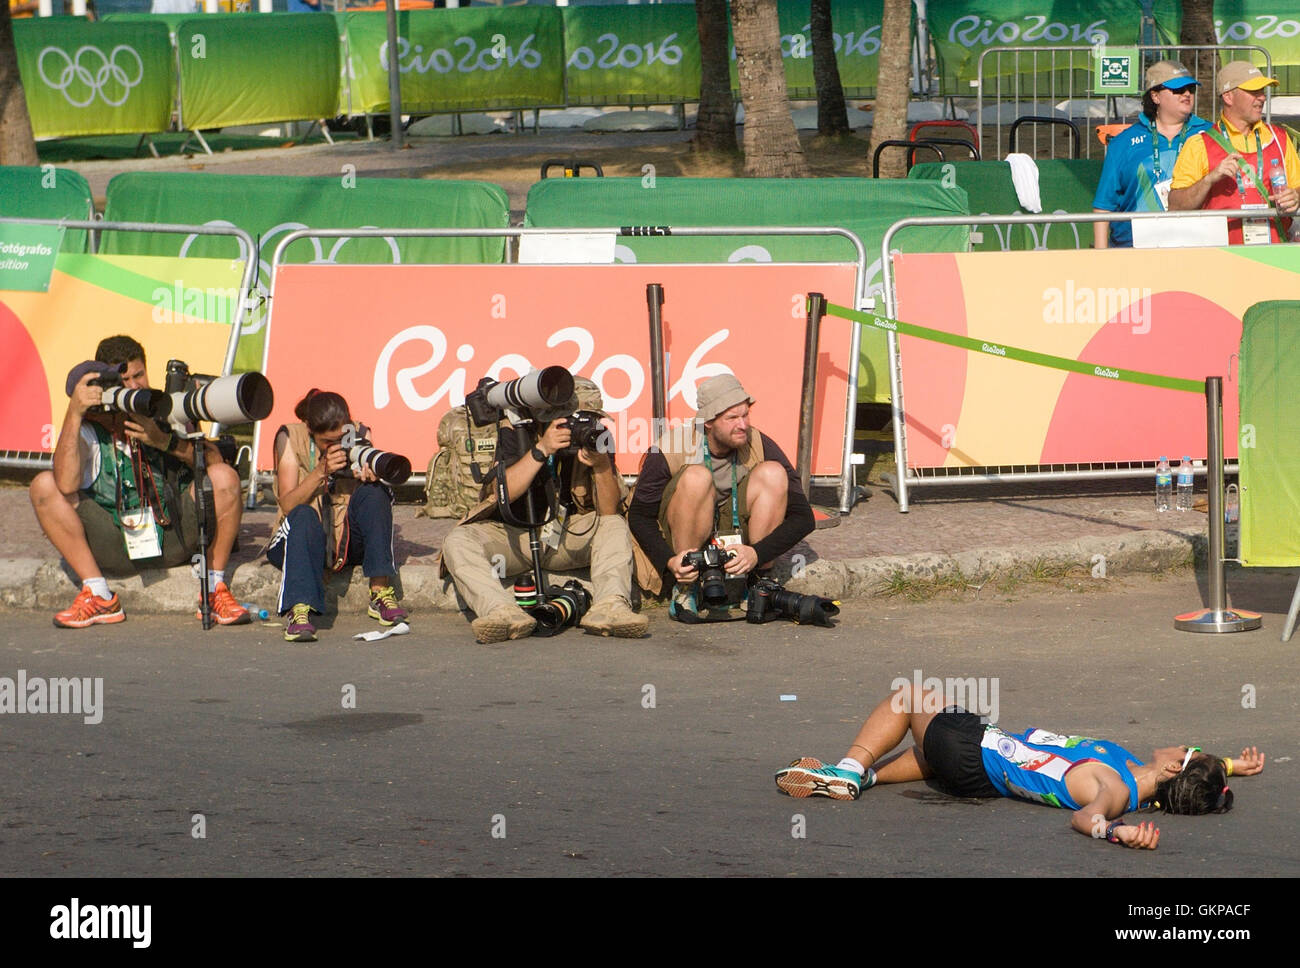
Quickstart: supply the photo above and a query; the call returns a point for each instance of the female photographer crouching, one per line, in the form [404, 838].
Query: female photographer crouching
[329, 517]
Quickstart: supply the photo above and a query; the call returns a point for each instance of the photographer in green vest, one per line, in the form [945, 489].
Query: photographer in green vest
[120, 497]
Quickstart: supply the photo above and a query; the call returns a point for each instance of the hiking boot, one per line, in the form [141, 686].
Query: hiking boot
[614, 616]
[225, 610]
[300, 628]
[809, 777]
[503, 622]
[384, 607]
[89, 609]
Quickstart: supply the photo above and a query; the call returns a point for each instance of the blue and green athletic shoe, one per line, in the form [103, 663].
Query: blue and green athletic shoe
[809, 777]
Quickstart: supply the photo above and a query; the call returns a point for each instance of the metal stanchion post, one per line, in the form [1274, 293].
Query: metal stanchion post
[807, 400]
[1216, 618]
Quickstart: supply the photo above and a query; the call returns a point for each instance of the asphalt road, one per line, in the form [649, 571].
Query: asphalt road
[581, 756]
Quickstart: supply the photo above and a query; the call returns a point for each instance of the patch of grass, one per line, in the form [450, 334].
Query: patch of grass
[959, 586]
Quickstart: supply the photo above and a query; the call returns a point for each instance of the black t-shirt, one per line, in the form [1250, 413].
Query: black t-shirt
[513, 444]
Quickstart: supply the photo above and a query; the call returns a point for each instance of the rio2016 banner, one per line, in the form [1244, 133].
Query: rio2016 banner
[962, 31]
[631, 55]
[433, 331]
[856, 26]
[88, 78]
[1171, 312]
[451, 60]
[176, 309]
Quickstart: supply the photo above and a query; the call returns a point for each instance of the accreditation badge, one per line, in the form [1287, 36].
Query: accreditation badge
[1162, 192]
[1254, 231]
[143, 536]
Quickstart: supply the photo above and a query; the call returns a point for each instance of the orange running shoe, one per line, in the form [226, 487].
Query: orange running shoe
[89, 609]
[225, 610]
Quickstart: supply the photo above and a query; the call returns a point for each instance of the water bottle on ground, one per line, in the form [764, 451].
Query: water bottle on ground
[1164, 485]
[1231, 504]
[1183, 499]
[255, 610]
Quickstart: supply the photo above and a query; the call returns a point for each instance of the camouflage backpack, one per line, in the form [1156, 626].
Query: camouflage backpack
[450, 489]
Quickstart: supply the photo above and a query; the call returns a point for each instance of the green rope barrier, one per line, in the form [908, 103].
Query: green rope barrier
[1014, 353]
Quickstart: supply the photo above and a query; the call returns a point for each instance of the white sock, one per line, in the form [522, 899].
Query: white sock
[852, 765]
[99, 586]
[215, 578]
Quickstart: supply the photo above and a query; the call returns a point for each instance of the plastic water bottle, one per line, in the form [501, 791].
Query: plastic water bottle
[1231, 504]
[1183, 500]
[252, 609]
[1164, 485]
[1276, 176]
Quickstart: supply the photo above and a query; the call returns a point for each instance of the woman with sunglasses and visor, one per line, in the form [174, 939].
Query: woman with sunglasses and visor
[1098, 780]
[1140, 159]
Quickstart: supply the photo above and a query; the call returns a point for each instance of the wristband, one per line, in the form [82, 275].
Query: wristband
[1227, 765]
[537, 455]
[1110, 830]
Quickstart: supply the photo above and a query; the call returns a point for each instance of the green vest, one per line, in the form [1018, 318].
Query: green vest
[115, 465]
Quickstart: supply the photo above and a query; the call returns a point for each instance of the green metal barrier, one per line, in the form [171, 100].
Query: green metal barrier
[47, 192]
[864, 206]
[458, 60]
[1268, 455]
[1065, 185]
[91, 78]
[255, 68]
[267, 206]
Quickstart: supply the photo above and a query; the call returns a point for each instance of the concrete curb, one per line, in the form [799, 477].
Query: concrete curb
[38, 583]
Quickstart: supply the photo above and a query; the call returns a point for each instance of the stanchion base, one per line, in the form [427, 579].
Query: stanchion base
[1209, 620]
[823, 520]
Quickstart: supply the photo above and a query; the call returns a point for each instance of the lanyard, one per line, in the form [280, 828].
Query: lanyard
[1259, 159]
[735, 511]
[1174, 143]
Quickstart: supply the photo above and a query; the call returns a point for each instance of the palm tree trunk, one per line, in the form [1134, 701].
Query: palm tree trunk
[1198, 28]
[715, 123]
[832, 116]
[893, 86]
[772, 148]
[17, 146]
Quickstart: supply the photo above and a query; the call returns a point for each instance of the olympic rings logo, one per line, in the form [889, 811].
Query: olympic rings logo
[91, 70]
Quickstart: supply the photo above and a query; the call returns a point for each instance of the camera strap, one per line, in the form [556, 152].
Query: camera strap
[503, 498]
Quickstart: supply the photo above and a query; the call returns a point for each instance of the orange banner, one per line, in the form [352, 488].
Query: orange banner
[403, 344]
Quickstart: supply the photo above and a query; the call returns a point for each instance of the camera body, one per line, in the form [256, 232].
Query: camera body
[390, 468]
[118, 399]
[588, 432]
[709, 561]
[768, 600]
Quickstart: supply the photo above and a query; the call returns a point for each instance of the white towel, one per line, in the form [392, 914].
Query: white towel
[1024, 175]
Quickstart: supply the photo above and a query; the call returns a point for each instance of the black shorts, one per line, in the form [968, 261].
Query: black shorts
[952, 750]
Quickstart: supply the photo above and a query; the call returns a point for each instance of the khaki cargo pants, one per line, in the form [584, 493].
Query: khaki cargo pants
[472, 551]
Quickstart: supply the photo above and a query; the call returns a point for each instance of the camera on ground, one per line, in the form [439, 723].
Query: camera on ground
[768, 600]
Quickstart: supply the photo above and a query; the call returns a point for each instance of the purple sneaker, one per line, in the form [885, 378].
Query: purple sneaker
[300, 628]
[384, 607]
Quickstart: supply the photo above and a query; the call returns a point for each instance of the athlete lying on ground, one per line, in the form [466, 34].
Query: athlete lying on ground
[1098, 779]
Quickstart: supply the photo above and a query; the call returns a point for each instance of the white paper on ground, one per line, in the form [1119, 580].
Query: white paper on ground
[401, 628]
